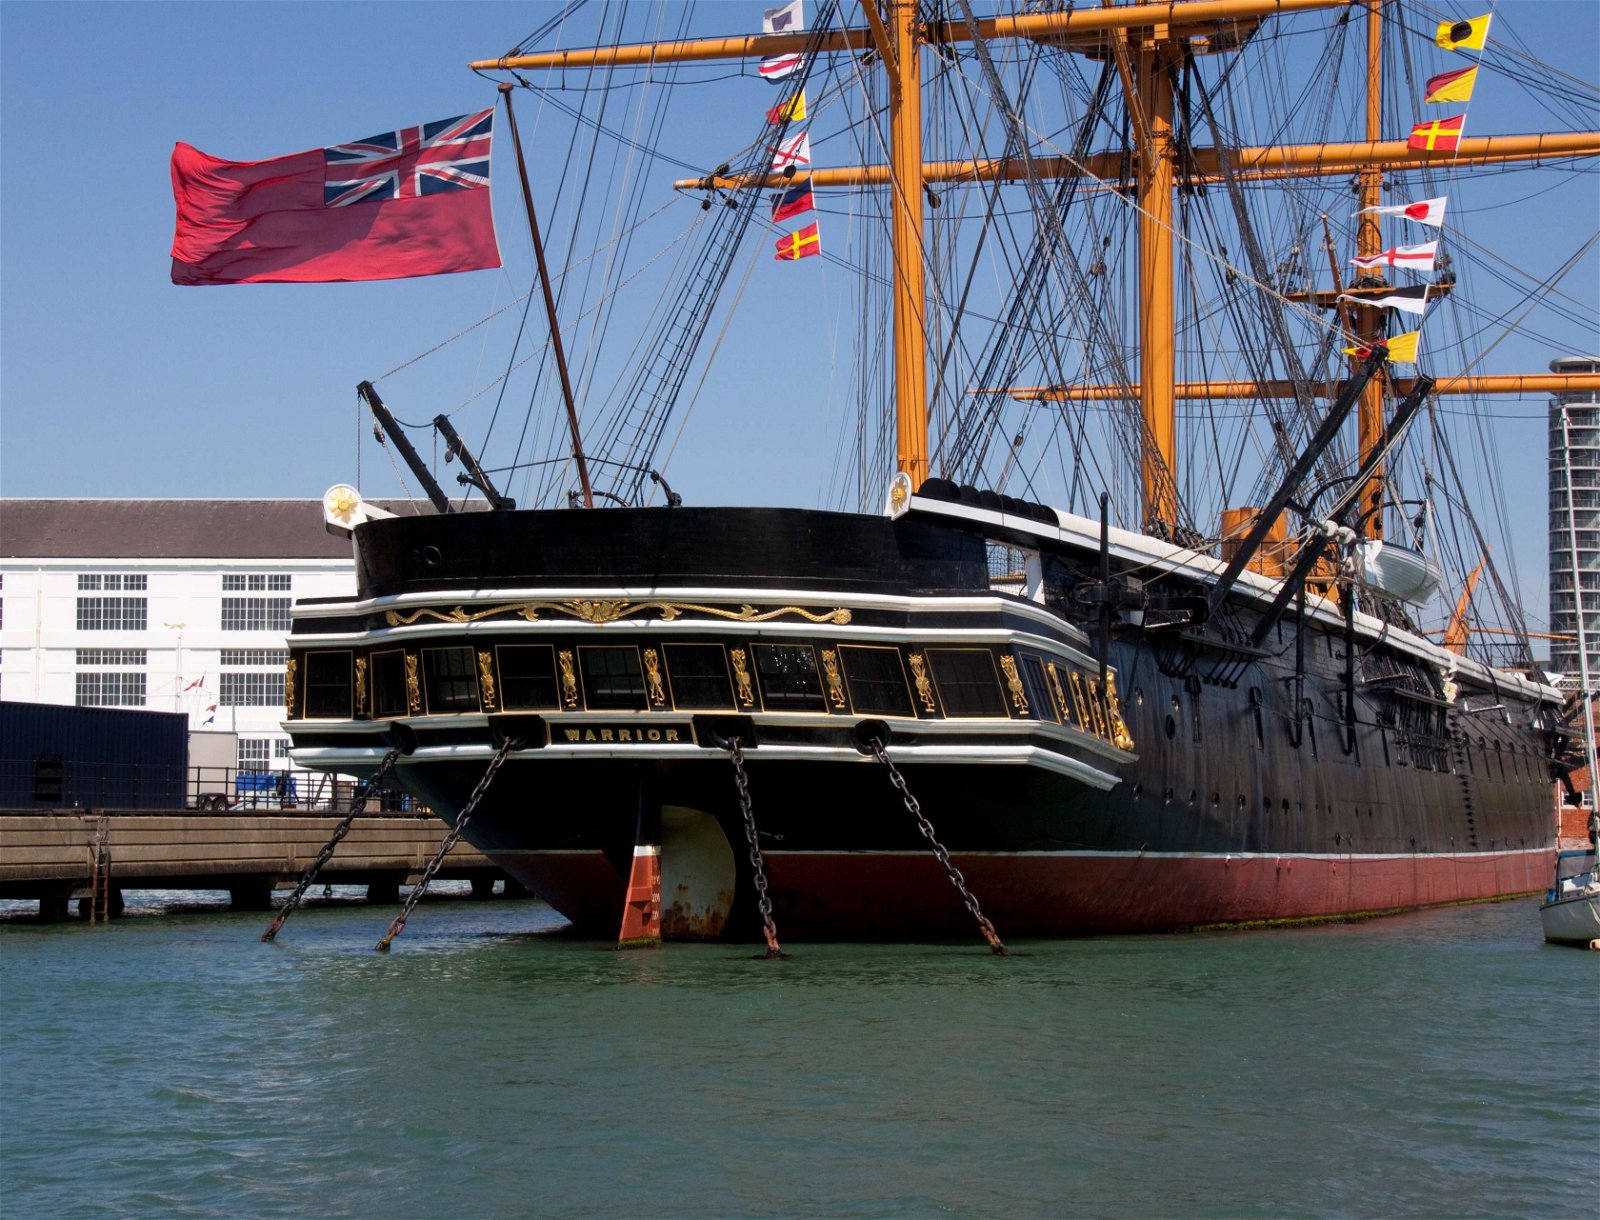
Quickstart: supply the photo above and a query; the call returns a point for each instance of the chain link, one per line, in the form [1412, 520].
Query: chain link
[357, 808]
[450, 840]
[926, 827]
[757, 865]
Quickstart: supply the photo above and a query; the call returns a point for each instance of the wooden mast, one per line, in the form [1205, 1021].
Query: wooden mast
[1369, 320]
[910, 302]
[1157, 315]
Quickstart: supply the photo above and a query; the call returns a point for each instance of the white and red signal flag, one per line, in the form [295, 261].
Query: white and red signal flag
[1424, 211]
[1418, 258]
[793, 154]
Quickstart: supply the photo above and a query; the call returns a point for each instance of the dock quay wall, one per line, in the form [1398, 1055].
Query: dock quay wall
[51, 855]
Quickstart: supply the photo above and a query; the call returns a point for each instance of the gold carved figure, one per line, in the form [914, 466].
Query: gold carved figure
[486, 677]
[288, 687]
[569, 678]
[919, 675]
[830, 671]
[1019, 698]
[413, 686]
[652, 678]
[741, 678]
[361, 686]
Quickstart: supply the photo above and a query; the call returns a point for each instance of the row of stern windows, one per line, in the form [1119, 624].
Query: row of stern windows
[843, 679]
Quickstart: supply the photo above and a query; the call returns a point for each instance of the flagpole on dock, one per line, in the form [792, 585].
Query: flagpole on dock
[549, 305]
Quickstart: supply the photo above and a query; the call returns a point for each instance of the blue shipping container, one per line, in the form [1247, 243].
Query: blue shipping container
[54, 756]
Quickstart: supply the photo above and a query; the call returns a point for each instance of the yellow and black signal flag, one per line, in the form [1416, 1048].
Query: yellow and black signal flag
[1397, 349]
[1451, 86]
[802, 243]
[1464, 35]
[789, 111]
[1441, 135]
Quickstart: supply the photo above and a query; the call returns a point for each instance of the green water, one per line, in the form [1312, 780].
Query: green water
[171, 1065]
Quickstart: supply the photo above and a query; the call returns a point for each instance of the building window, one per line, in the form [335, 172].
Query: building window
[111, 689]
[256, 656]
[699, 676]
[389, 683]
[255, 753]
[112, 613]
[328, 685]
[451, 678]
[788, 675]
[254, 613]
[113, 583]
[250, 689]
[527, 676]
[254, 583]
[111, 656]
[968, 684]
[612, 678]
[280, 747]
[876, 679]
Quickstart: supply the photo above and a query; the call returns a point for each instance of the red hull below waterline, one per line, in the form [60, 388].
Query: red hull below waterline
[870, 896]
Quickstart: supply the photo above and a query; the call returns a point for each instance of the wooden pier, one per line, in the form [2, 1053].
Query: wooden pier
[95, 854]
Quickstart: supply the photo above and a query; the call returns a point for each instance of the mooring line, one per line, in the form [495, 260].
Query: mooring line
[399, 924]
[757, 863]
[926, 827]
[357, 808]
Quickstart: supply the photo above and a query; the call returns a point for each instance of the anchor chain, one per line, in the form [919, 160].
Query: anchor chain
[757, 864]
[450, 840]
[939, 850]
[357, 808]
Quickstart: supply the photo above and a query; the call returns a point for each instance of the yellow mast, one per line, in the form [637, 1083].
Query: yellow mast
[1369, 320]
[910, 303]
[1157, 315]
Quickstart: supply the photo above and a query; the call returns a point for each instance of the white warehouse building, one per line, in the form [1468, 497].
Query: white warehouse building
[175, 605]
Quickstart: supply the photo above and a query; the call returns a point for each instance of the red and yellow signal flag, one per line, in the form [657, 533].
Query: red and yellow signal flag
[790, 111]
[1441, 135]
[802, 243]
[1451, 86]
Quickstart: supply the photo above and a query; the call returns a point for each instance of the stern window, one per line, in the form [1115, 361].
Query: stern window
[699, 675]
[788, 674]
[968, 684]
[388, 670]
[612, 678]
[328, 686]
[877, 680]
[527, 676]
[450, 676]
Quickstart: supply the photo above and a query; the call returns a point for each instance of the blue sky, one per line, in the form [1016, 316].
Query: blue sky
[114, 382]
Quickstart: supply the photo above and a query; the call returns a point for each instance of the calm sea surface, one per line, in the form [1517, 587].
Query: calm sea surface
[172, 1065]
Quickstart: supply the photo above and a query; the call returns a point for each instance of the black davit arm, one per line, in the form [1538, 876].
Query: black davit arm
[474, 477]
[392, 430]
[1281, 499]
[1314, 547]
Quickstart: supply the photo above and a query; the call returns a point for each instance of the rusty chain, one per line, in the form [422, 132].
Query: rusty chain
[926, 827]
[757, 865]
[357, 808]
[450, 840]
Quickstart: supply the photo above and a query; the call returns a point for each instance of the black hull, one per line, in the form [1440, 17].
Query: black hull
[1348, 754]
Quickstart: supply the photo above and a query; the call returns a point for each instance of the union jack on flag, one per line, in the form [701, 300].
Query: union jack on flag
[447, 155]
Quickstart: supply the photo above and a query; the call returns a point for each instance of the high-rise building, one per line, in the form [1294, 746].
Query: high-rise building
[1575, 524]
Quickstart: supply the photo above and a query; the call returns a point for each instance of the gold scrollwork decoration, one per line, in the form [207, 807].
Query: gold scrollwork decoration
[569, 678]
[361, 686]
[600, 611]
[652, 679]
[1097, 708]
[413, 685]
[1080, 701]
[830, 671]
[486, 677]
[919, 675]
[1120, 737]
[1019, 697]
[1058, 692]
[288, 686]
[741, 678]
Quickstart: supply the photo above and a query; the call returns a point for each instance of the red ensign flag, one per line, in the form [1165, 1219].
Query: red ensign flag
[403, 203]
